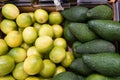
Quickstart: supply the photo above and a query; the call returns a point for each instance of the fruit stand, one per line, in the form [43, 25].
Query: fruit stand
[59, 40]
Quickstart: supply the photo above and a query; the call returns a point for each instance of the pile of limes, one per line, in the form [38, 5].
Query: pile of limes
[33, 47]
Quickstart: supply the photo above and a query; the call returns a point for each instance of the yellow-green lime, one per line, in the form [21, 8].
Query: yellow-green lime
[37, 26]
[7, 25]
[41, 15]
[59, 69]
[68, 59]
[29, 35]
[19, 73]
[58, 30]
[19, 54]
[10, 11]
[13, 39]
[32, 16]
[33, 51]
[96, 77]
[33, 64]
[32, 78]
[57, 54]
[25, 45]
[44, 44]
[7, 64]
[3, 47]
[48, 69]
[55, 17]
[24, 20]
[46, 30]
[7, 77]
[61, 42]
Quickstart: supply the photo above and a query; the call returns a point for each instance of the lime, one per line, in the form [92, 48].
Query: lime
[41, 15]
[33, 64]
[3, 47]
[19, 54]
[7, 64]
[46, 30]
[8, 25]
[55, 17]
[13, 39]
[19, 73]
[24, 20]
[29, 35]
[68, 59]
[32, 16]
[49, 68]
[7, 77]
[58, 30]
[59, 69]
[25, 45]
[61, 42]
[33, 51]
[10, 11]
[37, 26]
[57, 54]
[96, 77]
[44, 44]
[32, 78]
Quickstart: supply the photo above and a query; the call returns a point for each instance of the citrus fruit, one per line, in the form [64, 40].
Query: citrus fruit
[32, 78]
[32, 16]
[7, 64]
[13, 39]
[19, 54]
[25, 45]
[57, 54]
[18, 72]
[96, 77]
[33, 65]
[29, 35]
[68, 59]
[61, 42]
[10, 11]
[59, 69]
[55, 17]
[48, 69]
[41, 15]
[3, 47]
[33, 51]
[24, 20]
[37, 26]
[7, 25]
[7, 77]
[58, 30]
[44, 44]
[46, 30]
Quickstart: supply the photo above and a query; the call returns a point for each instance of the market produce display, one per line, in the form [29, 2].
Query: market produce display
[77, 43]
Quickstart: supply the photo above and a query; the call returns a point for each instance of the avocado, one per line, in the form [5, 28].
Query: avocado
[66, 76]
[67, 33]
[74, 45]
[100, 12]
[80, 77]
[75, 14]
[79, 67]
[82, 32]
[114, 78]
[107, 29]
[107, 64]
[95, 46]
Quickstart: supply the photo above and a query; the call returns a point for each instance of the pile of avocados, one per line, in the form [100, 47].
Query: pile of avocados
[92, 34]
